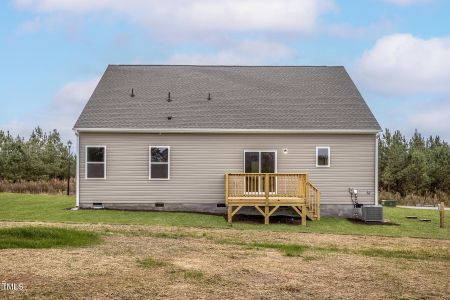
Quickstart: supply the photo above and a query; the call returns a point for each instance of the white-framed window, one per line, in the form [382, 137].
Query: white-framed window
[159, 163]
[323, 157]
[95, 162]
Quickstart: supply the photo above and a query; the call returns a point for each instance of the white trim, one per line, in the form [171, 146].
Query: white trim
[158, 163]
[317, 156]
[376, 169]
[222, 130]
[77, 201]
[86, 162]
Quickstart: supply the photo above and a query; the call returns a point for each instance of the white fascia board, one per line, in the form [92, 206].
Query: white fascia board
[220, 130]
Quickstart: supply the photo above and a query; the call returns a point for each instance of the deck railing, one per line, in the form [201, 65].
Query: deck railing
[270, 191]
[313, 203]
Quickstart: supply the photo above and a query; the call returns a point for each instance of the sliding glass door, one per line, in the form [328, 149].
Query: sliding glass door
[259, 162]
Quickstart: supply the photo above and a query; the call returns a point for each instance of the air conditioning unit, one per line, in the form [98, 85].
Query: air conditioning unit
[372, 213]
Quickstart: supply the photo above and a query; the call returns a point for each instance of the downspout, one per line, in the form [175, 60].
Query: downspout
[376, 169]
[77, 203]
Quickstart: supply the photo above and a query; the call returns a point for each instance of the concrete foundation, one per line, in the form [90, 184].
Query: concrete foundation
[335, 210]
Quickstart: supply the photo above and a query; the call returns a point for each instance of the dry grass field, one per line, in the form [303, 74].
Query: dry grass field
[164, 262]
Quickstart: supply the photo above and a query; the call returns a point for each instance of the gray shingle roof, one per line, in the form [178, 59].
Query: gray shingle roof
[276, 98]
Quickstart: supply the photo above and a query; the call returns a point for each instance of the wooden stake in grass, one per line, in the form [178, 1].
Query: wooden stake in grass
[442, 214]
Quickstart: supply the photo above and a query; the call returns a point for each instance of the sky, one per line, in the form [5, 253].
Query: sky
[53, 52]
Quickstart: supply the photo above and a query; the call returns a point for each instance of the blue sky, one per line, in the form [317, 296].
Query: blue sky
[54, 51]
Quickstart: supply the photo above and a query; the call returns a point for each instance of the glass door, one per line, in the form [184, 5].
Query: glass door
[259, 162]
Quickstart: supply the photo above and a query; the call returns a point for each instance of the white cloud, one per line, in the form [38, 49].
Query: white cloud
[75, 93]
[186, 17]
[246, 52]
[406, 2]
[61, 114]
[432, 118]
[401, 64]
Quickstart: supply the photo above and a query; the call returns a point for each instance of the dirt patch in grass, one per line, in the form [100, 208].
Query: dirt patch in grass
[157, 262]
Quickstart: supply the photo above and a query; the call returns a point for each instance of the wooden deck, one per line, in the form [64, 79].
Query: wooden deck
[269, 191]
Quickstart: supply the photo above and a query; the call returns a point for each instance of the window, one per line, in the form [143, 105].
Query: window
[322, 156]
[159, 162]
[95, 162]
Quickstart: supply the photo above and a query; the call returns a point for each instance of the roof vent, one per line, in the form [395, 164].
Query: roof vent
[132, 93]
[169, 118]
[209, 96]
[168, 98]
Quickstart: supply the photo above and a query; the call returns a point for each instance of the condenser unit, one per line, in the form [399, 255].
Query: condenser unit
[372, 213]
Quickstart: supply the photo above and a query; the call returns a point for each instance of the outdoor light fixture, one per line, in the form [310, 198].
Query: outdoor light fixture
[285, 151]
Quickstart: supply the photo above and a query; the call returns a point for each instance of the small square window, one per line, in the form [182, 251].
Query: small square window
[322, 156]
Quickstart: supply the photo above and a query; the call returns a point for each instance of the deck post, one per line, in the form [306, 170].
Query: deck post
[303, 214]
[266, 191]
[307, 189]
[230, 214]
[226, 189]
[318, 205]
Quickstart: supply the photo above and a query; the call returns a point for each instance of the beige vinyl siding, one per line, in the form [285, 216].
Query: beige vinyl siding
[198, 163]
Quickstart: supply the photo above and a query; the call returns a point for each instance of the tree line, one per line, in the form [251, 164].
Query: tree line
[415, 166]
[43, 156]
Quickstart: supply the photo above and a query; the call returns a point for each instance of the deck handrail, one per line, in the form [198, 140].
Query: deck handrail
[285, 173]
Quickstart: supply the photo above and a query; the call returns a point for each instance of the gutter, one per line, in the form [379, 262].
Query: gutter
[376, 170]
[220, 130]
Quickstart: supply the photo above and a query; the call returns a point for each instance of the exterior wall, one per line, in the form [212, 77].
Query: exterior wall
[199, 162]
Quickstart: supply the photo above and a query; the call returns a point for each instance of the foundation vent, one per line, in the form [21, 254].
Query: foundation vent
[97, 205]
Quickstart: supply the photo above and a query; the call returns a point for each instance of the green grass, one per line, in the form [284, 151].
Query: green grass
[51, 208]
[193, 274]
[45, 237]
[286, 249]
[300, 249]
[406, 253]
[152, 263]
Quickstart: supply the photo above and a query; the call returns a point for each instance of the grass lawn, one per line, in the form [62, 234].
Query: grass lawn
[43, 237]
[50, 208]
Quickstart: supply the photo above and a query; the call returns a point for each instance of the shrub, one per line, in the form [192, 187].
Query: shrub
[51, 186]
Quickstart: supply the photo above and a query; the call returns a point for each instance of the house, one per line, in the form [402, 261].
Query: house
[162, 137]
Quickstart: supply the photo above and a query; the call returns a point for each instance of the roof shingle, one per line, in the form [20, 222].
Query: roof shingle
[282, 98]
